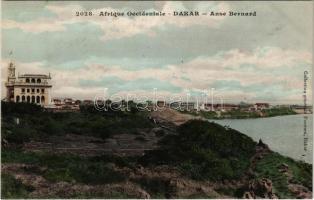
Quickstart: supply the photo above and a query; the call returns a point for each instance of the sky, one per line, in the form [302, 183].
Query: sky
[251, 59]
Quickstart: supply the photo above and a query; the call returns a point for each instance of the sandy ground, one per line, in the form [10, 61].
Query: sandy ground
[167, 115]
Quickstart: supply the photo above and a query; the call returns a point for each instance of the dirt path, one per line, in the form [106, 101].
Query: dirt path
[167, 115]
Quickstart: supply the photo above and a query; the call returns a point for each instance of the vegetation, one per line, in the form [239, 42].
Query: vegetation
[34, 123]
[278, 111]
[239, 114]
[268, 168]
[200, 150]
[69, 168]
[204, 150]
[242, 114]
[13, 188]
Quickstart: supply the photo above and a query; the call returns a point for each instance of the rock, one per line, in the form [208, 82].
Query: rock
[300, 191]
[261, 188]
[5, 143]
[283, 168]
[262, 144]
[248, 195]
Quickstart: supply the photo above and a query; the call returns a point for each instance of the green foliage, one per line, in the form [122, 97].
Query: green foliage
[157, 187]
[9, 108]
[242, 114]
[268, 168]
[205, 114]
[88, 173]
[239, 114]
[209, 114]
[68, 167]
[204, 150]
[17, 156]
[278, 111]
[35, 123]
[13, 188]
[20, 134]
[53, 127]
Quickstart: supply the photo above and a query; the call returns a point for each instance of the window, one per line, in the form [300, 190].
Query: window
[42, 99]
[27, 89]
[23, 90]
[23, 98]
[38, 80]
[33, 90]
[33, 99]
[42, 90]
[27, 80]
[37, 90]
[17, 98]
[37, 99]
[33, 80]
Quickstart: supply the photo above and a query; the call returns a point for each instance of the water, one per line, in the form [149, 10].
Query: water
[283, 134]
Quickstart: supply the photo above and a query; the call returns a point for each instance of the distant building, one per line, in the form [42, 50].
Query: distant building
[57, 102]
[220, 107]
[229, 107]
[301, 109]
[68, 101]
[161, 104]
[30, 88]
[261, 106]
[64, 105]
[78, 102]
[88, 102]
[183, 106]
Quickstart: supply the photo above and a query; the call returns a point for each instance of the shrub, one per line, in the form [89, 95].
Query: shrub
[13, 188]
[205, 150]
[20, 134]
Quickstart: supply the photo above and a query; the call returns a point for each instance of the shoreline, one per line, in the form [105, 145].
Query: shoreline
[258, 117]
[238, 114]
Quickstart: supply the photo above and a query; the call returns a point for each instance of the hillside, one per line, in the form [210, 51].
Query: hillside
[138, 155]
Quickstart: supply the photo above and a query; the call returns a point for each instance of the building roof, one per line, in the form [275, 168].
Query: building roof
[262, 104]
[34, 76]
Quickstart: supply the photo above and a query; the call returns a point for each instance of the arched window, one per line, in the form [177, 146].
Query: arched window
[42, 99]
[37, 99]
[28, 99]
[17, 98]
[33, 99]
[38, 80]
[23, 98]
[33, 80]
[27, 80]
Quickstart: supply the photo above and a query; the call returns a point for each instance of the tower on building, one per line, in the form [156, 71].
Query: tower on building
[29, 88]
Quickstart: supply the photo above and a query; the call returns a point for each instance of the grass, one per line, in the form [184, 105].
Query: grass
[12, 188]
[278, 111]
[68, 168]
[268, 168]
[240, 114]
[204, 150]
[156, 187]
[201, 150]
[35, 124]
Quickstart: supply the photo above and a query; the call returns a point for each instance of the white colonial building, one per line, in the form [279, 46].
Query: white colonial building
[31, 88]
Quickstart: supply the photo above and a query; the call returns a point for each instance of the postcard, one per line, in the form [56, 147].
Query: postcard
[156, 99]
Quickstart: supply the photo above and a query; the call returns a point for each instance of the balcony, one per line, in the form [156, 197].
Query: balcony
[21, 83]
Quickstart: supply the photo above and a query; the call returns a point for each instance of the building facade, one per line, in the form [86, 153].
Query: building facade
[30, 88]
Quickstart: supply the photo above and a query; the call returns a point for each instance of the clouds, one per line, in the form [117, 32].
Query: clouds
[245, 58]
[233, 74]
[119, 27]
